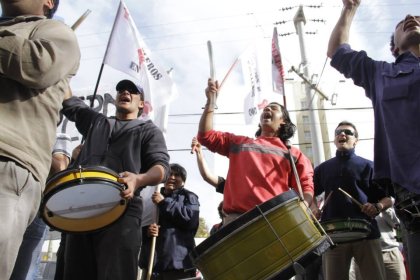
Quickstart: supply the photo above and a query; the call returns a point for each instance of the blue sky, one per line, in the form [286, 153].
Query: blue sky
[177, 32]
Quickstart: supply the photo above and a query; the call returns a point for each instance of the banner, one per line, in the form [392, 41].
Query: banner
[251, 75]
[128, 53]
[277, 65]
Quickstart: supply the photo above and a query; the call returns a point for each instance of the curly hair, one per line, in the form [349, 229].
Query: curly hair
[287, 130]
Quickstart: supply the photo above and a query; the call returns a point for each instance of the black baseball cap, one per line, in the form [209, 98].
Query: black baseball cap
[128, 85]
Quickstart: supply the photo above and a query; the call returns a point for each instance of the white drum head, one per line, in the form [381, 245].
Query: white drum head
[84, 201]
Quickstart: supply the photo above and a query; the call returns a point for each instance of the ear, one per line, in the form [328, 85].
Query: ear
[141, 104]
[395, 52]
[355, 142]
[49, 4]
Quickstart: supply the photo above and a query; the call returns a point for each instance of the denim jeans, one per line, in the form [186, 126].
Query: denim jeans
[29, 256]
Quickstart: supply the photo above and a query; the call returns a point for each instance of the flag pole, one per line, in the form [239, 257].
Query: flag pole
[228, 72]
[106, 52]
[153, 244]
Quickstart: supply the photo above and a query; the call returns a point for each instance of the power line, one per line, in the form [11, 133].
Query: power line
[294, 144]
[290, 111]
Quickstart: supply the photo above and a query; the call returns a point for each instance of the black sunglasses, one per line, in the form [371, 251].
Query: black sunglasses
[346, 132]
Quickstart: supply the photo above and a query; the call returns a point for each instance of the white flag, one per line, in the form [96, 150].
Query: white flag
[254, 100]
[127, 52]
[277, 65]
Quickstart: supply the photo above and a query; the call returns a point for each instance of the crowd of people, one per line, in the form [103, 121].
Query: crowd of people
[363, 202]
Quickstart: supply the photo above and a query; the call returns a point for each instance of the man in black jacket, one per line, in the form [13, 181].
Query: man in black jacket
[178, 224]
[137, 151]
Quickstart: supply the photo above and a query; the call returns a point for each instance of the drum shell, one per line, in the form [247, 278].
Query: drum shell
[248, 249]
[67, 181]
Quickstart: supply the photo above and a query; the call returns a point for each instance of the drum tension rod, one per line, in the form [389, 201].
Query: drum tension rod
[80, 173]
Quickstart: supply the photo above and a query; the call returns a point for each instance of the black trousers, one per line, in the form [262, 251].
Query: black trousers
[110, 254]
[409, 214]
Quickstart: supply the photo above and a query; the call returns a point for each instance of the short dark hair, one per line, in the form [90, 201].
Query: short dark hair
[356, 134]
[179, 170]
[52, 11]
[287, 130]
[392, 46]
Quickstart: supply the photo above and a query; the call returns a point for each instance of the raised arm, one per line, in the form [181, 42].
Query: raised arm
[205, 172]
[206, 120]
[340, 33]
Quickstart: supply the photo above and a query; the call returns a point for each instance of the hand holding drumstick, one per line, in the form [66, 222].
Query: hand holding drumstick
[368, 208]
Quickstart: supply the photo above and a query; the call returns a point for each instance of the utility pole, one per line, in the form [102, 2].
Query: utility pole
[316, 139]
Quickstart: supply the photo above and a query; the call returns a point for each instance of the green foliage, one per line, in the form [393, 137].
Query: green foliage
[203, 231]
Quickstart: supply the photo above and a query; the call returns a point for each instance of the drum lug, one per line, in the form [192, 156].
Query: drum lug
[50, 214]
[122, 202]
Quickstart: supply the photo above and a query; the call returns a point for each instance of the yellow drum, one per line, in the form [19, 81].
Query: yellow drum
[263, 243]
[83, 200]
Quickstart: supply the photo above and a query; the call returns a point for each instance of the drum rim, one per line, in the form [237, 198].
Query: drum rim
[82, 169]
[243, 220]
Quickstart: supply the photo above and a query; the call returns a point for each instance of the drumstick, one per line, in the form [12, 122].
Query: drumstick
[212, 72]
[326, 201]
[81, 18]
[352, 198]
[212, 69]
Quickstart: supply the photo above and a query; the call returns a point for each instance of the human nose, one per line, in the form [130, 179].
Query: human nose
[409, 17]
[124, 91]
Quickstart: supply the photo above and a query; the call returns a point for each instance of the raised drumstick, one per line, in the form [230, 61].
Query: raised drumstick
[352, 198]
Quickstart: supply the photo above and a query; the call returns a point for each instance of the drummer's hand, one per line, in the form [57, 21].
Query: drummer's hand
[369, 209]
[195, 146]
[153, 230]
[316, 212]
[212, 90]
[157, 197]
[130, 180]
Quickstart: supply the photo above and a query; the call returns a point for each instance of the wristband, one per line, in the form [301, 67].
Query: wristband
[62, 144]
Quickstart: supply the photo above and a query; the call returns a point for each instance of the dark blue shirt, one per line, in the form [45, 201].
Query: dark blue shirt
[394, 89]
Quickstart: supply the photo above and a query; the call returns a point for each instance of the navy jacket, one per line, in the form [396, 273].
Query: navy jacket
[353, 174]
[178, 220]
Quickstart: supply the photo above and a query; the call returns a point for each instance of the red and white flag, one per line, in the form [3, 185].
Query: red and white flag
[277, 65]
[128, 53]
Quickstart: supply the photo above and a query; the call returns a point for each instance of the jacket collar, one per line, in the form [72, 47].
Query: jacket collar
[345, 154]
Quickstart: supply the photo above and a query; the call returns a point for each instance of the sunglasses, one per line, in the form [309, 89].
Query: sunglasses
[346, 132]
